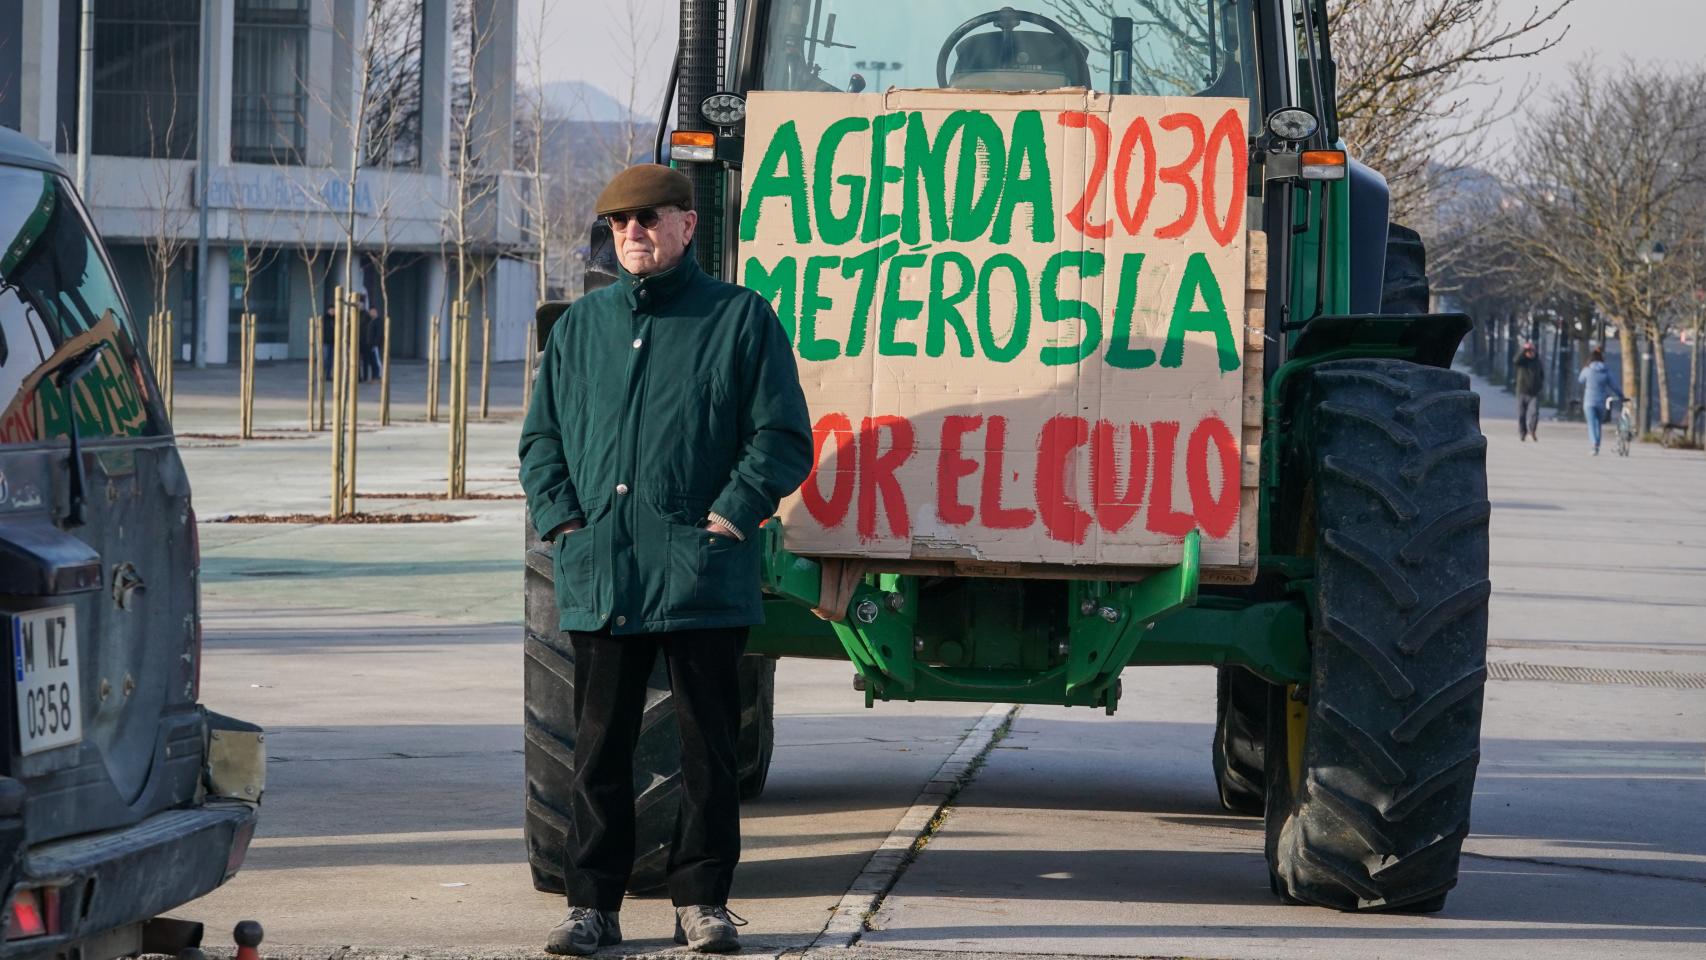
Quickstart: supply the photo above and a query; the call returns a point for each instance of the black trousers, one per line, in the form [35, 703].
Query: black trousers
[610, 700]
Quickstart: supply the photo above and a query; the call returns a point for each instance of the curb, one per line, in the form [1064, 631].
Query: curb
[847, 924]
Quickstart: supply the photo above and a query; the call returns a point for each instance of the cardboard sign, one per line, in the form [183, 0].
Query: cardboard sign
[1020, 321]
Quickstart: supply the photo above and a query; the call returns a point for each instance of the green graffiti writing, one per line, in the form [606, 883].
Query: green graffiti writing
[1121, 354]
[1199, 278]
[770, 183]
[1029, 155]
[1054, 309]
[832, 229]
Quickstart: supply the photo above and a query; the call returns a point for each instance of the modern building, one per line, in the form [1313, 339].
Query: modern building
[413, 100]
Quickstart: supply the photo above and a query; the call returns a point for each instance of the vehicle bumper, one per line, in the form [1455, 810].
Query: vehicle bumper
[110, 882]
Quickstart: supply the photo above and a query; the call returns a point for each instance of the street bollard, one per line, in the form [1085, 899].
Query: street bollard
[248, 935]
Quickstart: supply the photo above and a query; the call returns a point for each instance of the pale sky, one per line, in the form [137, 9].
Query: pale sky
[591, 40]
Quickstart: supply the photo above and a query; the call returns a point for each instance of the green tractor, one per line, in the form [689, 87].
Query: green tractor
[1351, 652]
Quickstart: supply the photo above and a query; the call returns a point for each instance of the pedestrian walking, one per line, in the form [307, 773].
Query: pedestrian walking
[666, 424]
[1530, 377]
[1597, 387]
[328, 338]
[372, 330]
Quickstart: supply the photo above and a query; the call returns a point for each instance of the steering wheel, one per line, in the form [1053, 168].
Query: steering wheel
[1007, 19]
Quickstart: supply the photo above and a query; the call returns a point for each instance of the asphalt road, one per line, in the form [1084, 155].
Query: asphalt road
[385, 663]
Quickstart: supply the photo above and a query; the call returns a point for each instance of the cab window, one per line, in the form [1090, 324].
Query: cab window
[1178, 47]
[57, 299]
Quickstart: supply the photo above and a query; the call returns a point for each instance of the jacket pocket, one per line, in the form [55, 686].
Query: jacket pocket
[574, 570]
[711, 575]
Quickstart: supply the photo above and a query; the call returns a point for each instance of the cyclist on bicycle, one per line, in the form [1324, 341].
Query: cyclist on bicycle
[1596, 388]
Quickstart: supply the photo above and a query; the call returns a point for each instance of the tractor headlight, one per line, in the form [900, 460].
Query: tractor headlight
[1293, 124]
[723, 109]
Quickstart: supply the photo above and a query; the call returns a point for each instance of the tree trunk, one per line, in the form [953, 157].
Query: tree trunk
[1661, 374]
[1693, 386]
[1628, 344]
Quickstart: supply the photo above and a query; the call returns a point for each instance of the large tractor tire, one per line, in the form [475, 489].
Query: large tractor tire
[548, 679]
[1404, 287]
[757, 724]
[1241, 704]
[1371, 764]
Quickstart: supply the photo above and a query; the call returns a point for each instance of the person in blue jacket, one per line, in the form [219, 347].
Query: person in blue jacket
[1597, 387]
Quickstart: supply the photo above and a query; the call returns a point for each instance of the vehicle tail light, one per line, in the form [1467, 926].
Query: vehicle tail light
[239, 849]
[34, 913]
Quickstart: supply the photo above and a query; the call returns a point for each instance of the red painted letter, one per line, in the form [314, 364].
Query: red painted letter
[833, 511]
[876, 475]
[1063, 518]
[1180, 174]
[1133, 213]
[1162, 517]
[995, 516]
[1215, 515]
[951, 467]
[1079, 215]
[1115, 510]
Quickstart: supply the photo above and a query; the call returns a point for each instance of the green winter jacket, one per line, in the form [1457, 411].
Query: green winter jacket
[660, 400]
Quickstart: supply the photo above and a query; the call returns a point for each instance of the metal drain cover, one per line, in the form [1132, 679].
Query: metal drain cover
[1507, 670]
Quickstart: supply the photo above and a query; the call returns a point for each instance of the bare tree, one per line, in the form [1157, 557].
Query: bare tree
[469, 214]
[166, 193]
[1612, 166]
[1403, 68]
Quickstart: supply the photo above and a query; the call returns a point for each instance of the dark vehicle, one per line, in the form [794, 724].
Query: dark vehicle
[120, 796]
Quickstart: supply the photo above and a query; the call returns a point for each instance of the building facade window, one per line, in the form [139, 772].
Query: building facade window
[394, 33]
[269, 63]
[11, 63]
[269, 300]
[147, 60]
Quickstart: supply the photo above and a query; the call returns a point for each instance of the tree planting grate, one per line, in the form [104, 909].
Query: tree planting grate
[1506, 670]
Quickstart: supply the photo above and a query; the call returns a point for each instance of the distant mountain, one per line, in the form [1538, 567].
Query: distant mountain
[581, 101]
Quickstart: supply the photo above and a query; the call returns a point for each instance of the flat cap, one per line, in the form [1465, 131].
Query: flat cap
[645, 185]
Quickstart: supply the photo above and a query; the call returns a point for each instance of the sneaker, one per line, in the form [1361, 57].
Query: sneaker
[584, 931]
[708, 929]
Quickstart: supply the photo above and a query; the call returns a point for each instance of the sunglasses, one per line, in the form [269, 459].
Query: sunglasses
[648, 218]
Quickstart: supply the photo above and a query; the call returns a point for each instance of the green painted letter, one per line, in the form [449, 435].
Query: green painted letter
[770, 182]
[1054, 309]
[1029, 155]
[813, 347]
[1021, 309]
[776, 285]
[944, 307]
[1211, 319]
[833, 229]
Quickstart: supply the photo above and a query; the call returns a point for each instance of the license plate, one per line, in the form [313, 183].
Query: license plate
[44, 666]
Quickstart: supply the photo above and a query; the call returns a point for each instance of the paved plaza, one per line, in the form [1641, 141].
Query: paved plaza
[385, 663]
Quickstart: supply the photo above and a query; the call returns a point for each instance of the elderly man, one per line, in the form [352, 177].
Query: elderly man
[667, 424]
